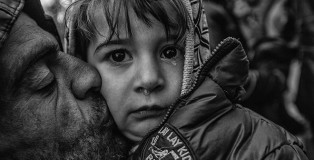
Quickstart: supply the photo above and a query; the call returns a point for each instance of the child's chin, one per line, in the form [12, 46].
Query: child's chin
[143, 128]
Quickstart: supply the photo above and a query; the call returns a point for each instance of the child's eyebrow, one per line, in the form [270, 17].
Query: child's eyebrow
[119, 41]
[111, 42]
[172, 37]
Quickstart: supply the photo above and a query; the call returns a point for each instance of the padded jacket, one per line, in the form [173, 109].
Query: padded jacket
[206, 123]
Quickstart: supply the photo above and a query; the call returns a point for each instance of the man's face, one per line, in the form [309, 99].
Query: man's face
[50, 106]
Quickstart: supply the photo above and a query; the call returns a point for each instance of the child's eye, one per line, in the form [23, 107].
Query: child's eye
[120, 55]
[170, 53]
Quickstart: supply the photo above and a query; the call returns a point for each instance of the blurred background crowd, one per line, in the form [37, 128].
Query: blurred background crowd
[56, 9]
[278, 36]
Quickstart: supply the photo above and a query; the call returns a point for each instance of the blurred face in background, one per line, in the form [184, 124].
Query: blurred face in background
[241, 8]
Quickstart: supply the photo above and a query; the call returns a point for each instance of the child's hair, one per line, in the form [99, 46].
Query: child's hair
[82, 13]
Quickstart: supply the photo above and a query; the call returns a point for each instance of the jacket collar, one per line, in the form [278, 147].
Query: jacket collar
[228, 67]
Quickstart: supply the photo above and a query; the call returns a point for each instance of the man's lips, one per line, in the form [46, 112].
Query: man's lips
[146, 112]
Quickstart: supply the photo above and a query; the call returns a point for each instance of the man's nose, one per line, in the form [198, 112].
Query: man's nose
[150, 77]
[86, 82]
[84, 79]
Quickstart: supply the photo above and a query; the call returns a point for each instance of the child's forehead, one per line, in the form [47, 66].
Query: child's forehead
[119, 17]
[115, 12]
[120, 7]
[124, 24]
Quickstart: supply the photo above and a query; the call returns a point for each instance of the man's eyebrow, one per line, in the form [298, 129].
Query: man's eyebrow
[111, 42]
[37, 52]
[41, 50]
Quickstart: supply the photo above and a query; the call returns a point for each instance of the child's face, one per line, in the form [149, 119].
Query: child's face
[130, 65]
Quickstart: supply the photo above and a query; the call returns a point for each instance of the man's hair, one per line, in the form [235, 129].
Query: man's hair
[82, 16]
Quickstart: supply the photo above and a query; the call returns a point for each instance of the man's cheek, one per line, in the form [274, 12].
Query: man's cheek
[46, 118]
[95, 109]
[37, 116]
[25, 121]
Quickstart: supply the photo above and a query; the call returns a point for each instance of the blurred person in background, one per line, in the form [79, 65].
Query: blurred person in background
[270, 47]
[279, 37]
[56, 9]
[305, 94]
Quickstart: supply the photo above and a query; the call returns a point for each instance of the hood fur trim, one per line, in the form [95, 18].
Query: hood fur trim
[197, 43]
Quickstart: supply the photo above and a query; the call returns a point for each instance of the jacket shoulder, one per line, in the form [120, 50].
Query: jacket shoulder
[256, 135]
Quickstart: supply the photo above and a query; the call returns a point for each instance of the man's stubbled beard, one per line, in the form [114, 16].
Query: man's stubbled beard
[105, 142]
[95, 142]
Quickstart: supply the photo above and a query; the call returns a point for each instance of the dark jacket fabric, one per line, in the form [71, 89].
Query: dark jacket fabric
[206, 123]
[305, 97]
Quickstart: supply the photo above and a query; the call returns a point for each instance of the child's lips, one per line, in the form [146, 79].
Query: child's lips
[146, 112]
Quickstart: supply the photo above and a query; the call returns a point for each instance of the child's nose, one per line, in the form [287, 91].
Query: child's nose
[150, 78]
